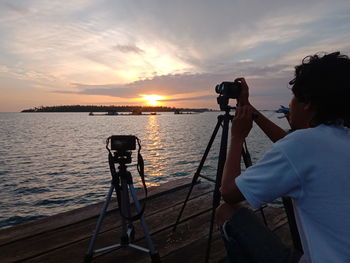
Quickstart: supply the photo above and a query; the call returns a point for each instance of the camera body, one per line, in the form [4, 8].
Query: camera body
[230, 90]
[123, 143]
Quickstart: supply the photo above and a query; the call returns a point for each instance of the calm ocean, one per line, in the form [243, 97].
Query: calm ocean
[55, 162]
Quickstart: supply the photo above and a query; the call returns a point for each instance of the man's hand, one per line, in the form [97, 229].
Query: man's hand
[242, 122]
[244, 95]
[223, 212]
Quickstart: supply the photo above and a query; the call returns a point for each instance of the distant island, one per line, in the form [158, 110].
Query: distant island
[92, 108]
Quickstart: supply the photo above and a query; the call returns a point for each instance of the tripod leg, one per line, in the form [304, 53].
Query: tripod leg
[199, 169]
[220, 169]
[143, 222]
[127, 227]
[288, 206]
[89, 254]
[153, 253]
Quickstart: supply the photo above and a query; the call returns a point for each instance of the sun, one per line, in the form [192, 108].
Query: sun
[152, 100]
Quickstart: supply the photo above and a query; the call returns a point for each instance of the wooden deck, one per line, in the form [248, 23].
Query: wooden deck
[65, 237]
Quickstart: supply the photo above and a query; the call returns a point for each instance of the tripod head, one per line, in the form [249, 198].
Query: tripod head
[223, 103]
[122, 158]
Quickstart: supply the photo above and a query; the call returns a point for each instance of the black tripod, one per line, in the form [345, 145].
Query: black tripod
[223, 120]
[122, 183]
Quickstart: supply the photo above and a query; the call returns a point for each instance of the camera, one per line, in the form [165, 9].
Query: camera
[123, 143]
[228, 89]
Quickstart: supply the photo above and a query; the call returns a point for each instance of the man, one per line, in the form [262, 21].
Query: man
[311, 165]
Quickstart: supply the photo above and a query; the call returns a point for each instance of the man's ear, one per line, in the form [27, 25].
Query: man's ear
[308, 106]
[310, 113]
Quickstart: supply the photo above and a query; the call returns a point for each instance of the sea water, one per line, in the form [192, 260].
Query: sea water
[55, 162]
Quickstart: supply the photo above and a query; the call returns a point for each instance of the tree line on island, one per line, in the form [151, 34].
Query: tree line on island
[93, 108]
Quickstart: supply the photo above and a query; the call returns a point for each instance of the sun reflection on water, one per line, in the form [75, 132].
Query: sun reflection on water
[155, 147]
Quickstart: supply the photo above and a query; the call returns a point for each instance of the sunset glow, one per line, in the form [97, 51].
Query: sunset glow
[86, 52]
[152, 100]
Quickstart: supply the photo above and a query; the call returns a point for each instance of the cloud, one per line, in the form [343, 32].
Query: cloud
[4, 69]
[194, 86]
[121, 48]
[129, 48]
[206, 98]
[14, 8]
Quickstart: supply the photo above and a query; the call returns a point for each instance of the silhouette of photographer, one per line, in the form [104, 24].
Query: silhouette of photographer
[310, 165]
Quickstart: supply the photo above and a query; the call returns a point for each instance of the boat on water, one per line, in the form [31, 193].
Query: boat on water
[184, 112]
[114, 113]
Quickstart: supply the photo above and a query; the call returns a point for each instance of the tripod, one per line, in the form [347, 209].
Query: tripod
[223, 120]
[122, 183]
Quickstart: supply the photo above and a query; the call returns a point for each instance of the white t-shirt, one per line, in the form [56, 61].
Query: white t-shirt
[313, 167]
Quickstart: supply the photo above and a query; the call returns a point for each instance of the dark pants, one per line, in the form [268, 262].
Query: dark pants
[248, 240]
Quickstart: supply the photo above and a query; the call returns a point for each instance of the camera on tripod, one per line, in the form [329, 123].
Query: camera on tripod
[227, 90]
[122, 145]
[122, 184]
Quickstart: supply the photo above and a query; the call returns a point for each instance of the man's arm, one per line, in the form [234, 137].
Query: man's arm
[273, 131]
[229, 190]
[241, 126]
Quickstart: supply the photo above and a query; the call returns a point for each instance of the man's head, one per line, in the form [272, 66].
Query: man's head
[322, 88]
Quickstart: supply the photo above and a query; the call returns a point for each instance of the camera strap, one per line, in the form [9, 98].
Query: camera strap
[141, 167]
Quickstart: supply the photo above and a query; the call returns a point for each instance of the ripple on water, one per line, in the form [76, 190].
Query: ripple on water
[53, 202]
[31, 190]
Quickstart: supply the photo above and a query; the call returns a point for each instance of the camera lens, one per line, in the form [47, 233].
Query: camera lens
[229, 89]
[218, 89]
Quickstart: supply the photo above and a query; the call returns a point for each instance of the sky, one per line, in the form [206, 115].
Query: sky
[119, 52]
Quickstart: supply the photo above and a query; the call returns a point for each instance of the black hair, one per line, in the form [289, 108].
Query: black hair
[324, 82]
